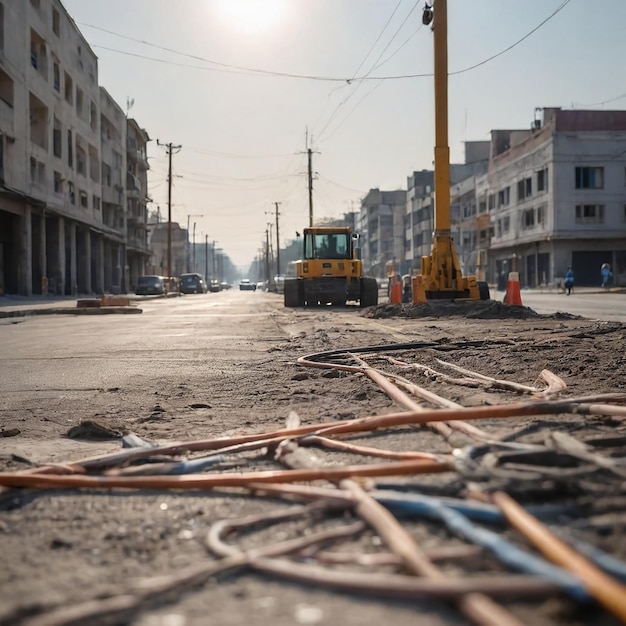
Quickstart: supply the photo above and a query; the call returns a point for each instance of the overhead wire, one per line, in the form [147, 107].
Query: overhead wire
[393, 37]
[249, 70]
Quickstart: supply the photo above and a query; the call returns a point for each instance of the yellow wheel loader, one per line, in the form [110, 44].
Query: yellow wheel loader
[330, 271]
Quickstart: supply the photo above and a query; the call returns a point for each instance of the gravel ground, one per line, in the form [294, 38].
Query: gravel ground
[65, 547]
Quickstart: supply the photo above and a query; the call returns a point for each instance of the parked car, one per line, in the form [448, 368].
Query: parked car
[279, 283]
[245, 284]
[214, 285]
[225, 285]
[192, 283]
[150, 285]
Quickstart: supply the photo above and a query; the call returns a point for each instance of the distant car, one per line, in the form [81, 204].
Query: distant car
[224, 285]
[279, 283]
[246, 285]
[150, 285]
[192, 283]
[214, 285]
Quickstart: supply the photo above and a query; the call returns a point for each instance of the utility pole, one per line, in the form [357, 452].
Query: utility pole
[310, 160]
[267, 257]
[277, 242]
[206, 257]
[213, 259]
[309, 153]
[194, 246]
[169, 150]
[277, 239]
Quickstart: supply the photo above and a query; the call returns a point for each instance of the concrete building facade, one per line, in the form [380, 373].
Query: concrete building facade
[538, 200]
[557, 197]
[382, 229]
[58, 131]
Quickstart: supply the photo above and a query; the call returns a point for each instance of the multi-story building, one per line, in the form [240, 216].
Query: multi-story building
[420, 209]
[382, 229]
[113, 154]
[178, 239]
[137, 250]
[55, 124]
[557, 197]
[419, 219]
[546, 198]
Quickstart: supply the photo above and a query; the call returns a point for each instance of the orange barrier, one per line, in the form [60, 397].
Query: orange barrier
[419, 294]
[395, 295]
[513, 295]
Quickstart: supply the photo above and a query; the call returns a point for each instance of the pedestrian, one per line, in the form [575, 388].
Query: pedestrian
[605, 272]
[569, 281]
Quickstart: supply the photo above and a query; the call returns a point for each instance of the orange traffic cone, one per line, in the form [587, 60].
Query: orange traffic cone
[513, 295]
[395, 296]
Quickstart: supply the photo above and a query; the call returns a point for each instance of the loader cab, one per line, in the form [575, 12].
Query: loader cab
[327, 245]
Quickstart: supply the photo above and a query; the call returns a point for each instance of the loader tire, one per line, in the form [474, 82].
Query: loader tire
[369, 292]
[293, 294]
[483, 290]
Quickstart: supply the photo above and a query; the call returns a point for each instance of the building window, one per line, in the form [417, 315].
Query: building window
[541, 214]
[589, 178]
[6, 88]
[70, 149]
[93, 116]
[524, 189]
[38, 54]
[528, 219]
[58, 182]
[81, 160]
[504, 197]
[1, 26]
[37, 172]
[79, 101]
[56, 23]
[590, 214]
[84, 201]
[56, 76]
[70, 192]
[94, 164]
[106, 174]
[57, 138]
[503, 226]
[69, 89]
[542, 179]
[95, 201]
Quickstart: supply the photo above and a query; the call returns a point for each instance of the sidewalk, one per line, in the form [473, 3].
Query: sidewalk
[21, 306]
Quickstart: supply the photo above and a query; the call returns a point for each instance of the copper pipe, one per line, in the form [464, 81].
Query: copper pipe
[574, 405]
[399, 468]
[606, 590]
[333, 444]
[410, 587]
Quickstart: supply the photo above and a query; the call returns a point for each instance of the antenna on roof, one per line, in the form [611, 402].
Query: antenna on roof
[129, 104]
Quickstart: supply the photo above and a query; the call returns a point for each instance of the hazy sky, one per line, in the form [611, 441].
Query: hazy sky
[237, 84]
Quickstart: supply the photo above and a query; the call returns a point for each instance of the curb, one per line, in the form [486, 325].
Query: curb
[72, 311]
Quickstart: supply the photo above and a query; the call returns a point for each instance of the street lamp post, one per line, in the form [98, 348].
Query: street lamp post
[189, 216]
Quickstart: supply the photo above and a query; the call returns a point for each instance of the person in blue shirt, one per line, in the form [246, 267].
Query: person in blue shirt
[605, 272]
[569, 281]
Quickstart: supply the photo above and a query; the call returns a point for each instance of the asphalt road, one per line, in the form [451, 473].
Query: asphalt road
[223, 365]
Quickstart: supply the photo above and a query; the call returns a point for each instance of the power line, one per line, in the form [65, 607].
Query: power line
[377, 38]
[238, 69]
[337, 108]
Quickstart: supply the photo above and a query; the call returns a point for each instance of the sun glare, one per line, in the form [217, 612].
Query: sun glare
[252, 16]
